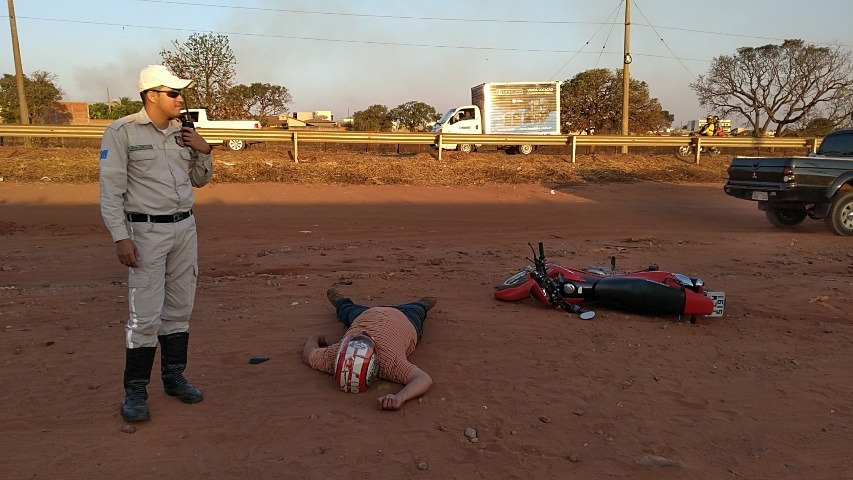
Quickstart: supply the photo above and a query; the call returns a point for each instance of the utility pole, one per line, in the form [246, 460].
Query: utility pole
[19, 70]
[626, 76]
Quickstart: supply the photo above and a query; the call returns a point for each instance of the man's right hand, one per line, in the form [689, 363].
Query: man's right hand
[127, 252]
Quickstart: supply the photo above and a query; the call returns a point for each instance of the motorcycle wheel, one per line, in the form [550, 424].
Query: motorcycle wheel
[515, 280]
[517, 287]
[685, 150]
[785, 217]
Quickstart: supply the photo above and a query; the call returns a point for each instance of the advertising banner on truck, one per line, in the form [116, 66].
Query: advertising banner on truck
[526, 108]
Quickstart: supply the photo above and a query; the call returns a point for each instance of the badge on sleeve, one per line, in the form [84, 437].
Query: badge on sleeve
[104, 153]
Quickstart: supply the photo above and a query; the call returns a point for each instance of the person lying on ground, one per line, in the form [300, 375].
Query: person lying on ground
[377, 338]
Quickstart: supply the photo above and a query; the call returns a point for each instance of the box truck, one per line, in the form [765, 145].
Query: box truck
[530, 108]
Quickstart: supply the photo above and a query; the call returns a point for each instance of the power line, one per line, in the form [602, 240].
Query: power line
[612, 25]
[587, 42]
[367, 15]
[452, 19]
[291, 37]
[664, 43]
[315, 39]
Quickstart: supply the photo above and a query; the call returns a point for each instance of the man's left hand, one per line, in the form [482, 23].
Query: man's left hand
[195, 141]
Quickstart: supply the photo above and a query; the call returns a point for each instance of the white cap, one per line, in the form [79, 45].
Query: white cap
[154, 76]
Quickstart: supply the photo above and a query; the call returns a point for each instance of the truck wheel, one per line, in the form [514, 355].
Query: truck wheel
[235, 145]
[525, 149]
[785, 217]
[465, 147]
[839, 218]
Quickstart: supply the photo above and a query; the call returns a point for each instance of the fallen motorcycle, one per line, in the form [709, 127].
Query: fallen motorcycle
[649, 291]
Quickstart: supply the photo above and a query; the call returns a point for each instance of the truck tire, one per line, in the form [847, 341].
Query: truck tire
[785, 217]
[839, 218]
[235, 145]
[524, 149]
[465, 147]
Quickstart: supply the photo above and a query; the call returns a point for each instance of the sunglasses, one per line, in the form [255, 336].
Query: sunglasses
[169, 93]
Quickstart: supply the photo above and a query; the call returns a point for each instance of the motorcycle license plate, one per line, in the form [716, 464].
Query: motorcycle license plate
[759, 195]
[719, 303]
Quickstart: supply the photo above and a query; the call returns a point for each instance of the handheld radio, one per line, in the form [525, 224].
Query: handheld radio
[186, 118]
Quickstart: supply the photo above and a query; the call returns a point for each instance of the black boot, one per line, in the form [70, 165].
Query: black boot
[173, 361]
[137, 372]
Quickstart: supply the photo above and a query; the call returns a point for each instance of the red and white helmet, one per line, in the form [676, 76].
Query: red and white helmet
[357, 364]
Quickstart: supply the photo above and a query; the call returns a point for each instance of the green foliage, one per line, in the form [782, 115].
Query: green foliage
[819, 127]
[257, 101]
[786, 85]
[115, 109]
[373, 119]
[593, 99]
[208, 60]
[41, 91]
[414, 115]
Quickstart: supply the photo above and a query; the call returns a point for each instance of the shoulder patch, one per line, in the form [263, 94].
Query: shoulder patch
[104, 153]
[134, 148]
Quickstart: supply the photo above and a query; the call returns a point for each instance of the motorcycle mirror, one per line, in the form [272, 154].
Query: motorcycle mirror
[587, 315]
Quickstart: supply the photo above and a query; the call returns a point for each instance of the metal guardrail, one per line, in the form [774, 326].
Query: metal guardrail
[319, 136]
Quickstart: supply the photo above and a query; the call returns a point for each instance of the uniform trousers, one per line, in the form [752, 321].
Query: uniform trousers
[161, 288]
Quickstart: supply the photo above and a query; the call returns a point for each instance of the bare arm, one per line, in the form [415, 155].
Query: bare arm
[417, 384]
[314, 342]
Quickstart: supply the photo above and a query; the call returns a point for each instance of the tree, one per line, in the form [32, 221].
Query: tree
[258, 101]
[414, 115]
[593, 100]
[114, 109]
[373, 119]
[819, 127]
[41, 91]
[208, 60]
[786, 85]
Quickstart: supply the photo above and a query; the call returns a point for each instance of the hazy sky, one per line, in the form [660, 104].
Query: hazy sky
[344, 56]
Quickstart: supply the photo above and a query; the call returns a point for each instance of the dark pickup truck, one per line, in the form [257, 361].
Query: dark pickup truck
[819, 186]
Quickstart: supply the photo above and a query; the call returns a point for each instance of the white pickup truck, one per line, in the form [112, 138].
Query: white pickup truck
[199, 118]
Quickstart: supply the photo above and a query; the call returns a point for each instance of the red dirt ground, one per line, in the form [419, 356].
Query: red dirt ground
[763, 392]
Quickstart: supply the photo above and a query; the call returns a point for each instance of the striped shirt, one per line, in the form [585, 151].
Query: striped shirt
[395, 338]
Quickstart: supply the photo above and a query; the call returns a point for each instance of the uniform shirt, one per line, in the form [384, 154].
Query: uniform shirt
[395, 339]
[143, 170]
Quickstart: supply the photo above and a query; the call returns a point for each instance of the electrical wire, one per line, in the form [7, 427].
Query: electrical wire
[367, 15]
[664, 42]
[612, 25]
[613, 13]
[452, 19]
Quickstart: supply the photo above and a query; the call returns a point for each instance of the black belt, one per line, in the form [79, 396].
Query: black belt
[175, 217]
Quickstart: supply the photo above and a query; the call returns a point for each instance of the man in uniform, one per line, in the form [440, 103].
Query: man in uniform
[149, 164]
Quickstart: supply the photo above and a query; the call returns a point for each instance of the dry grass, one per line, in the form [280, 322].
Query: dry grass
[322, 166]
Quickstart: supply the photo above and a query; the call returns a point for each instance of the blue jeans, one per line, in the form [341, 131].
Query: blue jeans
[416, 312]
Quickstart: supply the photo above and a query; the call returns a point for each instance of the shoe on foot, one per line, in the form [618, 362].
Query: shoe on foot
[333, 295]
[134, 409]
[428, 302]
